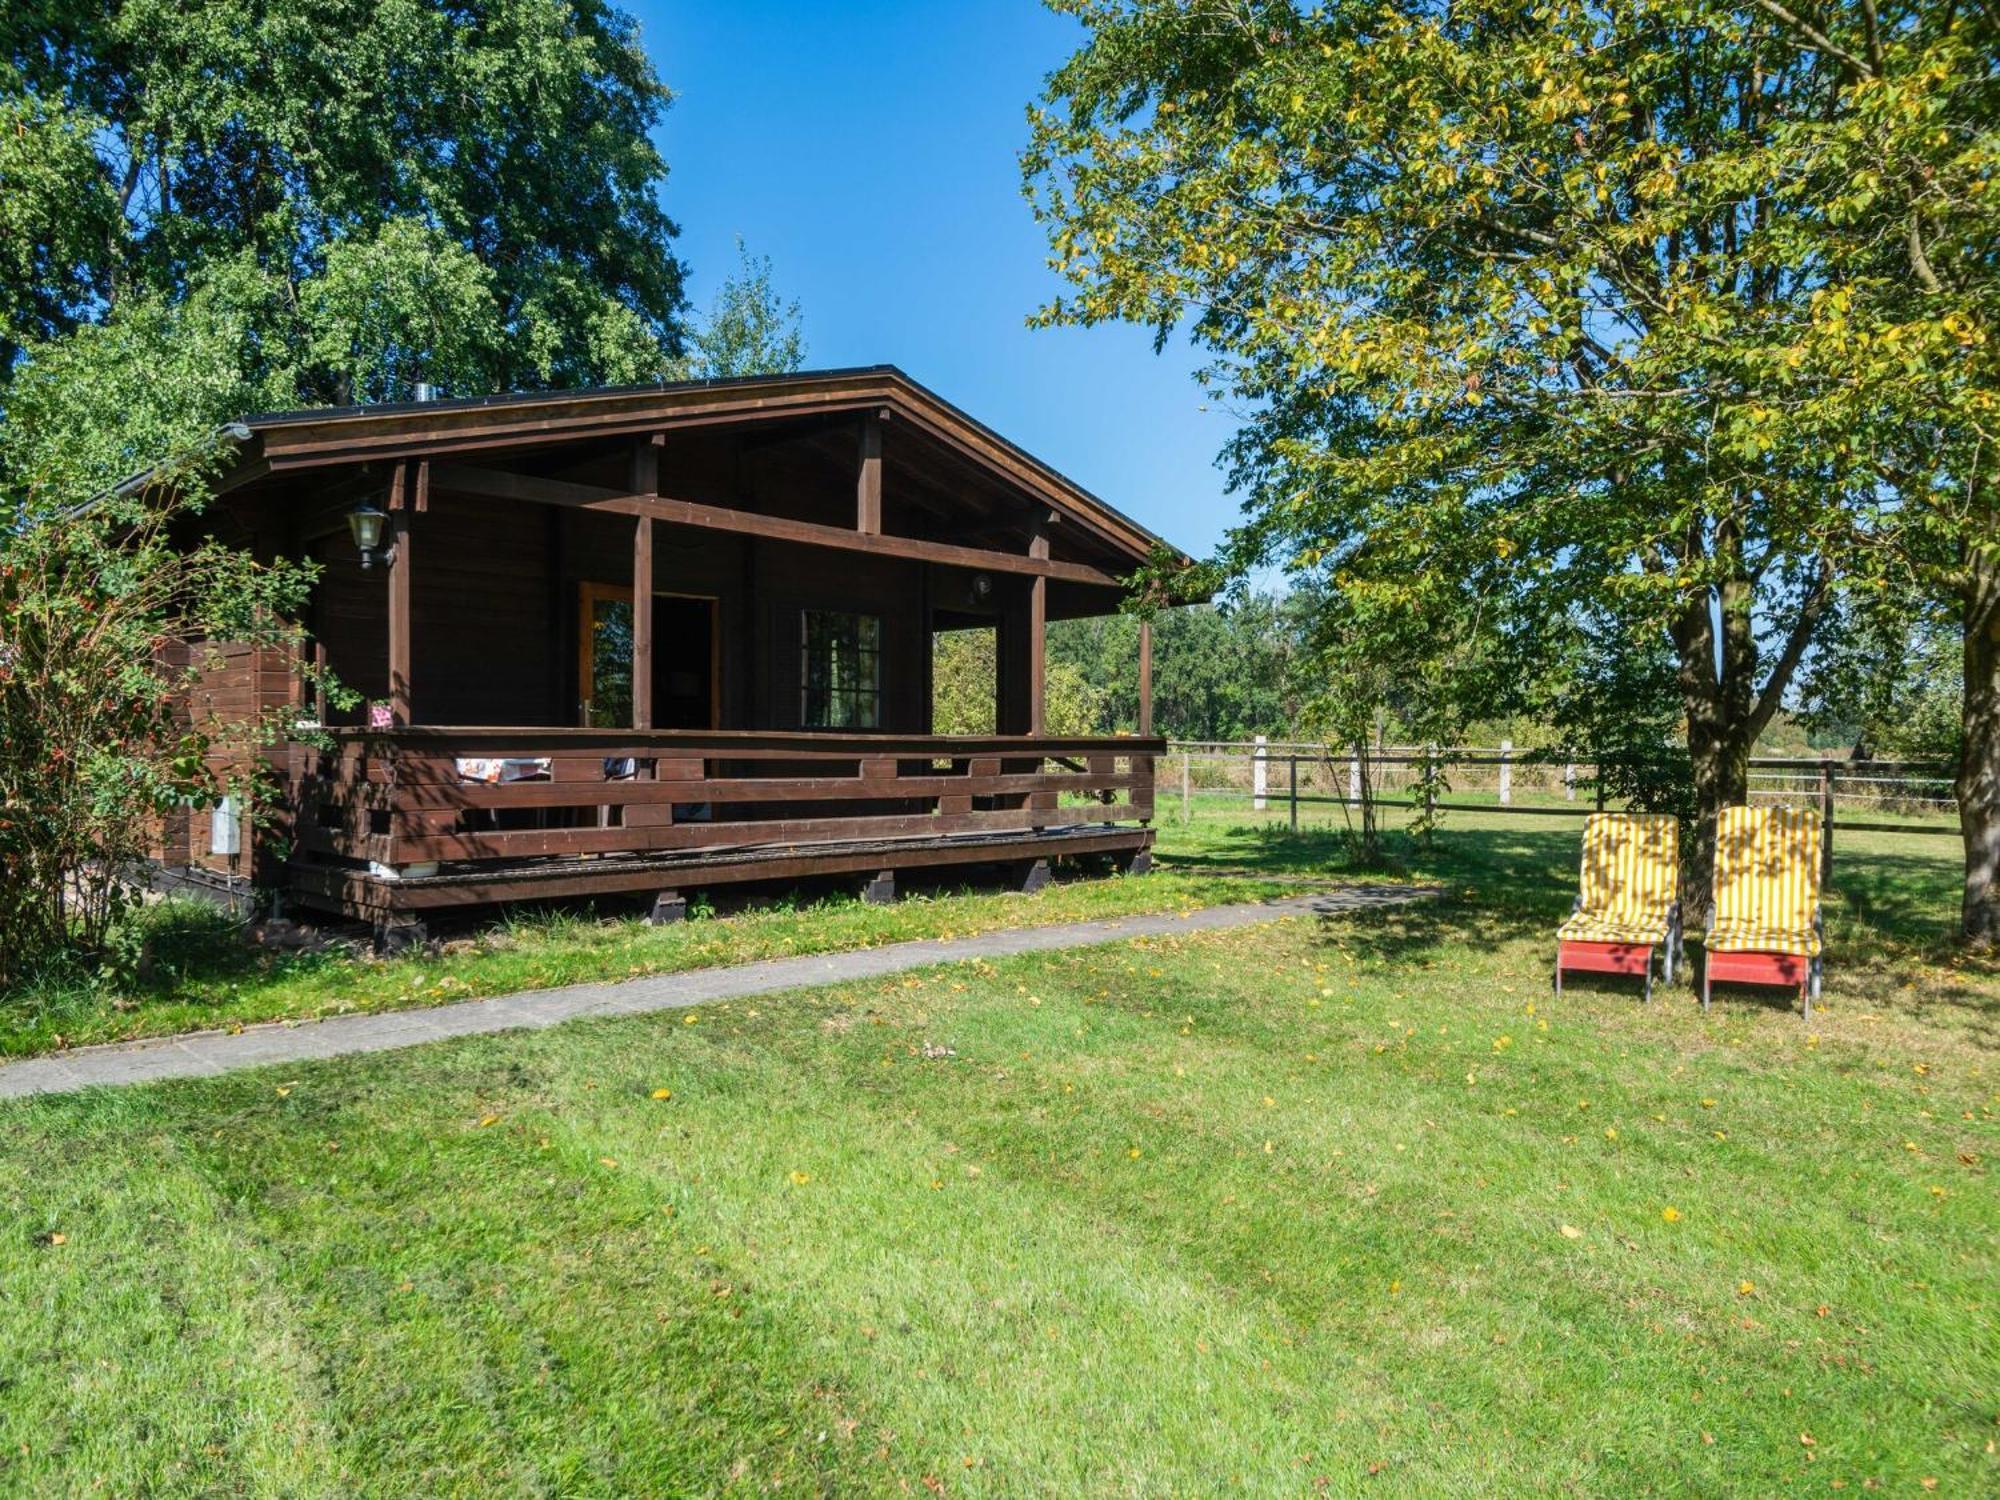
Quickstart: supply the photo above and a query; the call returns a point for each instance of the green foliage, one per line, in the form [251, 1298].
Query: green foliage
[463, 194]
[964, 674]
[1218, 674]
[750, 329]
[152, 381]
[106, 615]
[1538, 314]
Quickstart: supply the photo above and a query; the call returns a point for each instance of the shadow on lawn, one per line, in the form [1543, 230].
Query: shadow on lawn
[1889, 911]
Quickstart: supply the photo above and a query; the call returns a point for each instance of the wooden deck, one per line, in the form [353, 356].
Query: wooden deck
[390, 824]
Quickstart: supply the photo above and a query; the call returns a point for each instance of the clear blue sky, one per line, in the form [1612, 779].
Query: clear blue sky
[869, 149]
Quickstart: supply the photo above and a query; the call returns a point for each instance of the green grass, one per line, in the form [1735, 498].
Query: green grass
[1353, 1203]
[1224, 852]
[218, 982]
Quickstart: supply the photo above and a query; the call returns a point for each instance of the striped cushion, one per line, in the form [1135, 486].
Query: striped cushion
[1630, 879]
[1766, 880]
[1581, 927]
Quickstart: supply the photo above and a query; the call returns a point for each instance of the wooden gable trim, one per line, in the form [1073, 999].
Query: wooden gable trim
[310, 441]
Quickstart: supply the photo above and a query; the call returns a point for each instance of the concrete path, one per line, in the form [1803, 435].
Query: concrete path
[204, 1054]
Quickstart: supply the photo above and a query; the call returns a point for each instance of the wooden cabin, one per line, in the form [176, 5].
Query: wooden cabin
[646, 641]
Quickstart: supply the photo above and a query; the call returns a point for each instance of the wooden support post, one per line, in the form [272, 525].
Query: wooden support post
[1295, 793]
[1825, 823]
[1187, 778]
[645, 481]
[1506, 772]
[868, 479]
[642, 624]
[1038, 633]
[401, 705]
[1145, 677]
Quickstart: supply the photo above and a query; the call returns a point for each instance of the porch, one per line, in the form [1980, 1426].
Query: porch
[673, 638]
[392, 824]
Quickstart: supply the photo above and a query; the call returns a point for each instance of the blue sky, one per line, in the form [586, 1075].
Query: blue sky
[869, 149]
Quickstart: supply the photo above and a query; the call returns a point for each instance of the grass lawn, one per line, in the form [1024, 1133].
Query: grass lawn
[209, 979]
[1351, 1208]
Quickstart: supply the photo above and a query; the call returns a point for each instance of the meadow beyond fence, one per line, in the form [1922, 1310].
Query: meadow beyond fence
[1296, 780]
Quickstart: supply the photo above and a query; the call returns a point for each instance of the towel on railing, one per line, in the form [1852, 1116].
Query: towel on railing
[493, 770]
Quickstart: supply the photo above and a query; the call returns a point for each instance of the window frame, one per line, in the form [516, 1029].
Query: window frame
[854, 640]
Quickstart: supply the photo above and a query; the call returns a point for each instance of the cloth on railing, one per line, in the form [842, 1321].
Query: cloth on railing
[492, 770]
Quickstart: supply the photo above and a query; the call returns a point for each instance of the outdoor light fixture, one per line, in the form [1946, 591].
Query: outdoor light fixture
[982, 588]
[365, 523]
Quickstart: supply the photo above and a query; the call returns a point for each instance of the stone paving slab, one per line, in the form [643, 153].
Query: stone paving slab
[207, 1054]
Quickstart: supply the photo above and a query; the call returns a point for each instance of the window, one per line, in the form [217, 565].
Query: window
[842, 656]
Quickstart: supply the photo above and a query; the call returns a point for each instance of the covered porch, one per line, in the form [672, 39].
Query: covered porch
[659, 641]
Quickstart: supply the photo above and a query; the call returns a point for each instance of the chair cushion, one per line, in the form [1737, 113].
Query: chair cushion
[1629, 880]
[1584, 927]
[1752, 937]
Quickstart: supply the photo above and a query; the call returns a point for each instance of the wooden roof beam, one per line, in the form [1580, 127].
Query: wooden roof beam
[497, 484]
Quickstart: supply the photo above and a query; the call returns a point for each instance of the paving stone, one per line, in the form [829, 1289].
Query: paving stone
[210, 1053]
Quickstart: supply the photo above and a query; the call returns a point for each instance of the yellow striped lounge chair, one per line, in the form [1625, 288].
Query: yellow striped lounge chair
[1765, 928]
[1628, 898]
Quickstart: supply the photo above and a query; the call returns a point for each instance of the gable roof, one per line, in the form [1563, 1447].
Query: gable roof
[318, 437]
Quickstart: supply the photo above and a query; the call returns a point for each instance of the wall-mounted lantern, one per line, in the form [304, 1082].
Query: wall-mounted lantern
[365, 523]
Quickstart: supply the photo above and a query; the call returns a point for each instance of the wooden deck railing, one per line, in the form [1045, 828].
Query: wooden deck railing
[414, 797]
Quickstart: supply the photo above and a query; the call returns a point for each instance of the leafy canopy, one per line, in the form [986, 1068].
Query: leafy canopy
[464, 194]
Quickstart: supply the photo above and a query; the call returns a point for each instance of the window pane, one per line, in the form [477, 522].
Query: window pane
[841, 675]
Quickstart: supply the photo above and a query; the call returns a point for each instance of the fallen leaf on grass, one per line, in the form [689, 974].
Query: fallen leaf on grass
[1571, 1232]
[663, 1093]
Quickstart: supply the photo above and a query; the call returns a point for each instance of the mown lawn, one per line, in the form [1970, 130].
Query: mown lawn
[1351, 1208]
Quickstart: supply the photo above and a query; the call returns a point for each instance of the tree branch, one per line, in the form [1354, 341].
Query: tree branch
[1817, 37]
[1818, 596]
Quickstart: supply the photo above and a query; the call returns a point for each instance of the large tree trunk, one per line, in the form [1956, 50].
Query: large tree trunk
[1722, 725]
[1978, 783]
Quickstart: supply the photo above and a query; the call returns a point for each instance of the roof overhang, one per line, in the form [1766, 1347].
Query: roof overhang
[327, 437]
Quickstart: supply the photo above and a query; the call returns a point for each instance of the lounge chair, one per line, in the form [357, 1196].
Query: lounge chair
[1765, 928]
[1628, 899]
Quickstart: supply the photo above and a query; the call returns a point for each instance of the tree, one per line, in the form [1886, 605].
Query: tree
[1521, 302]
[964, 668]
[463, 194]
[1895, 186]
[1218, 674]
[750, 329]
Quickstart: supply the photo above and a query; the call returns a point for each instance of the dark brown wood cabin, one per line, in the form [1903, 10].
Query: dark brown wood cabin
[652, 640]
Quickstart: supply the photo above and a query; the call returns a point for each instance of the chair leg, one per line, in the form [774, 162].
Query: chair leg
[1705, 986]
[1649, 979]
[1559, 978]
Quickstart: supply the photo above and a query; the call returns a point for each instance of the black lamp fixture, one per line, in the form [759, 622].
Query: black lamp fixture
[365, 523]
[982, 588]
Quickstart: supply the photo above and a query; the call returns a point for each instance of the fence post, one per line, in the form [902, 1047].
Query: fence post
[1569, 780]
[1295, 793]
[1825, 822]
[1354, 778]
[1258, 772]
[1506, 772]
[1186, 756]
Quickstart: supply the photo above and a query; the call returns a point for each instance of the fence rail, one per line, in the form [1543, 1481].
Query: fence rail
[1537, 784]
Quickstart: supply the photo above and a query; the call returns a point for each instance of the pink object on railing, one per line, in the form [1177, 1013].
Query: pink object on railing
[380, 717]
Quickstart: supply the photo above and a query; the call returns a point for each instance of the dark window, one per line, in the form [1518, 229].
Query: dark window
[842, 687]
